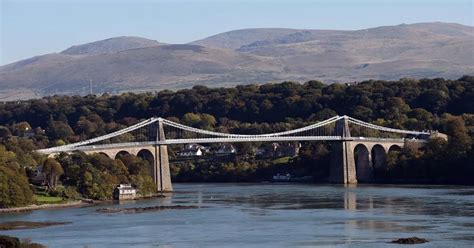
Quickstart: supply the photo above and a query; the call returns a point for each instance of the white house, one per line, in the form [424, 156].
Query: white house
[124, 192]
[193, 150]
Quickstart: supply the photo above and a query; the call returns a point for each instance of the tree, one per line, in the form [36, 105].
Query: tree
[266, 105]
[120, 170]
[52, 169]
[207, 121]
[433, 100]
[4, 133]
[434, 148]
[59, 130]
[8, 158]
[144, 184]
[363, 113]
[14, 188]
[191, 119]
[395, 107]
[459, 141]
[203, 121]
[22, 127]
[97, 184]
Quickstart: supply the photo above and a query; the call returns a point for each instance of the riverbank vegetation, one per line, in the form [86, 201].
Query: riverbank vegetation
[435, 104]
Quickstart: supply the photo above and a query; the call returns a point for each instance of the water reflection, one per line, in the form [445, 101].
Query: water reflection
[366, 198]
[350, 201]
[344, 198]
[383, 226]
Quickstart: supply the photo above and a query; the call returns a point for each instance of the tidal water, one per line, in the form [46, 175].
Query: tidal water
[269, 215]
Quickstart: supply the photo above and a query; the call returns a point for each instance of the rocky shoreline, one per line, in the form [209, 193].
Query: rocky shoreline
[143, 209]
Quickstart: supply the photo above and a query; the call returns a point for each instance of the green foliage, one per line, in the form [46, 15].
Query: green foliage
[404, 103]
[59, 130]
[97, 185]
[460, 142]
[95, 176]
[144, 184]
[5, 133]
[7, 158]
[52, 170]
[203, 121]
[440, 162]
[14, 188]
[70, 192]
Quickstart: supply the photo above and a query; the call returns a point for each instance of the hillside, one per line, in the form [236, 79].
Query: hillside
[111, 45]
[173, 66]
[247, 56]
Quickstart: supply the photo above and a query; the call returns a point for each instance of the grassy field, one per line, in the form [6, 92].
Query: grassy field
[45, 199]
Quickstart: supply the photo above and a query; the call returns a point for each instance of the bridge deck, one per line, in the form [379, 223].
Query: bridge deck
[229, 140]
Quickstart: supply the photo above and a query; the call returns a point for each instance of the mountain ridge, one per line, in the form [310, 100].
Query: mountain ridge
[245, 56]
[110, 45]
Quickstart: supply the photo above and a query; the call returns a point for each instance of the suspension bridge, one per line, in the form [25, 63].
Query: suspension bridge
[357, 147]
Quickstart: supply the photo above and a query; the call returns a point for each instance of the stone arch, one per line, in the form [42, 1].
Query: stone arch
[147, 155]
[103, 153]
[362, 162]
[121, 153]
[394, 148]
[378, 156]
[392, 154]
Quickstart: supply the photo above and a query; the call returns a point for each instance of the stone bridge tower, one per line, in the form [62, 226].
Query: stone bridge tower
[161, 171]
[342, 168]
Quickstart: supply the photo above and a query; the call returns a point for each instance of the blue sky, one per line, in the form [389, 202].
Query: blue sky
[35, 27]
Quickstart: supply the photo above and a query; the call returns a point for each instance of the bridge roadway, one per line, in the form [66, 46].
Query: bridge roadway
[102, 147]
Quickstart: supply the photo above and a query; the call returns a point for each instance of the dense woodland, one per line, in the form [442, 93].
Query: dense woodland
[434, 104]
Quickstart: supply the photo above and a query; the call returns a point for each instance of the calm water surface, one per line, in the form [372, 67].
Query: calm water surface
[270, 215]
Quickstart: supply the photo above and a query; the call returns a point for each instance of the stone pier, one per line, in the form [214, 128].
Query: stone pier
[342, 168]
[162, 174]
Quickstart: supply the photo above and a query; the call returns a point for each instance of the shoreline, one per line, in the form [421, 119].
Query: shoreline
[46, 206]
[72, 204]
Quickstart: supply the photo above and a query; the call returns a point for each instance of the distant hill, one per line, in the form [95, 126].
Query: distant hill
[247, 56]
[238, 38]
[173, 66]
[111, 45]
